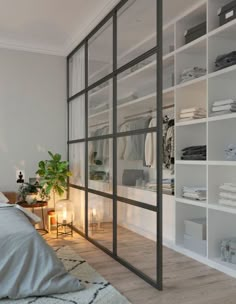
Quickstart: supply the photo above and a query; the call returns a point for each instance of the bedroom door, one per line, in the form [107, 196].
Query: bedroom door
[114, 80]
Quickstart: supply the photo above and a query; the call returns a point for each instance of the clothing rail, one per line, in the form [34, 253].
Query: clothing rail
[99, 124]
[150, 111]
[134, 115]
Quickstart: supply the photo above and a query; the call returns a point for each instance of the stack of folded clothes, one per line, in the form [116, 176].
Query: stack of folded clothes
[230, 152]
[152, 185]
[192, 73]
[224, 107]
[228, 194]
[192, 113]
[168, 186]
[226, 60]
[195, 193]
[194, 153]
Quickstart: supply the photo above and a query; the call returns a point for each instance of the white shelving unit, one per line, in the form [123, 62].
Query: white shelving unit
[214, 131]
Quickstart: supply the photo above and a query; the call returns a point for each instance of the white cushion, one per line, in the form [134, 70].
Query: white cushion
[3, 199]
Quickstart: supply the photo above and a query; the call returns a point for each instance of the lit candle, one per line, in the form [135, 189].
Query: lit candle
[64, 214]
[94, 212]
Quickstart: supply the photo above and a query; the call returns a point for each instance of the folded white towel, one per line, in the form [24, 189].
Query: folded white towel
[221, 108]
[192, 115]
[223, 102]
[194, 109]
[230, 184]
[228, 187]
[228, 195]
[227, 202]
[195, 196]
[194, 189]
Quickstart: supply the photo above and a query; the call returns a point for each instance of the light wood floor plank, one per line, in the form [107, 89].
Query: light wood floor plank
[186, 281]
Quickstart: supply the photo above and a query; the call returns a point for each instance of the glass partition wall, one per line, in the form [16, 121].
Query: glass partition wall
[115, 136]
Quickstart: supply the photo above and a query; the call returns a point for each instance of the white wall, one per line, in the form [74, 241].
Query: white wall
[32, 112]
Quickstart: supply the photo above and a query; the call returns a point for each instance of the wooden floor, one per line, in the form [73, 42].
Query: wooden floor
[185, 280]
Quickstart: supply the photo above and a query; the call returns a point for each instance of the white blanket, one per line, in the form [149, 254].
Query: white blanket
[34, 219]
[28, 266]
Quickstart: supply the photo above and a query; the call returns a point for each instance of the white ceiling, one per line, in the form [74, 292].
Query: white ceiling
[57, 26]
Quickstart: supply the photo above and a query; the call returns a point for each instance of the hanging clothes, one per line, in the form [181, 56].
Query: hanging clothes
[150, 146]
[132, 147]
[169, 146]
[99, 149]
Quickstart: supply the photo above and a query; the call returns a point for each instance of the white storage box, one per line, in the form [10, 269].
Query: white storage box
[196, 228]
[197, 246]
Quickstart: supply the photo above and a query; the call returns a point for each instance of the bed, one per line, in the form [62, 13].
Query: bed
[28, 266]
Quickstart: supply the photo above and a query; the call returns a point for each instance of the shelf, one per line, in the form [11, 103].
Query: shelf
[102, 113]
[191, 202]
[229, 267]
[223, 28]
[221, 163]
[137, 106]
[141, 104]
[223, 208]
[169, 90]
[222, 72]
[136, 77]
[181, 249]
[192, 162]
[191, 122]
[168, 56]
[222, 117]
[197, 44]
[191, 82]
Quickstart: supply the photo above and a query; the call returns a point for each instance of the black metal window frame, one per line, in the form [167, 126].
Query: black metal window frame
[157, 51]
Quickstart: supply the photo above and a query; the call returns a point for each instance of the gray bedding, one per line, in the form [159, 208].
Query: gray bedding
[28, 266]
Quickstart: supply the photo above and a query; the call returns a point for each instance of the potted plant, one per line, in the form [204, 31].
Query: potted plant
[53, 174]
[28, 193]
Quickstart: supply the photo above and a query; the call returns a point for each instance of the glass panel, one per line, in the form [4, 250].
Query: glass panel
[100, 219]
[77, 197]
[100, 53]
[136, 29]
[77, 72]
[100, 165]
[136, 96]
[136, 237]
[136, 168]
[77, 118]
[100, 105]
[77, 163]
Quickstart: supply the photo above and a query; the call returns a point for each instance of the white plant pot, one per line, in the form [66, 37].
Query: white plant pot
[31, 198]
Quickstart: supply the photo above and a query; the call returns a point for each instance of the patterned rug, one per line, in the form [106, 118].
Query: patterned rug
[97, 289]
